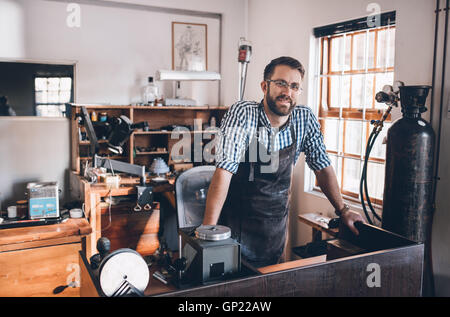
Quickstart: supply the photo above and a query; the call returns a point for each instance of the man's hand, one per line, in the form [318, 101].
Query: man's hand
[349, 218]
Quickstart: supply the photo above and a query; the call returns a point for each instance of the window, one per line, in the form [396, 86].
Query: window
[51, 94]
[352, 67]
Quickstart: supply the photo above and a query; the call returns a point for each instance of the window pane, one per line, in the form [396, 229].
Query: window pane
[340, 91]
[41, 97]
[331, 135]
[348, 52]
[371, 50]
[353, 136]
[53, 84]
[40, 84]
[48, 111]
[370, 98]
[64, 96]
[359, 44]
[391, 47]
[379, 149]
[334, 91]
[53, 96]
[352, 173]
[66, 83]
[382, 49]
[325, 56]
[358, 91]
[375, 180]
[324, 92]
[336, 54]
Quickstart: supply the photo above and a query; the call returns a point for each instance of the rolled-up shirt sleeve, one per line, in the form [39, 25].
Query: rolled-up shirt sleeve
[233, 139]
[313, 146]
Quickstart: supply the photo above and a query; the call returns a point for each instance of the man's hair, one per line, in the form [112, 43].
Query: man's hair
[283, 60]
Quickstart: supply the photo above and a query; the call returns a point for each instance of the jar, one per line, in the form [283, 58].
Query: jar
[22, 209]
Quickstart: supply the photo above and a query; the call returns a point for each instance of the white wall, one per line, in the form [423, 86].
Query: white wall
[32, 150]
[118, 47]
[285, 28]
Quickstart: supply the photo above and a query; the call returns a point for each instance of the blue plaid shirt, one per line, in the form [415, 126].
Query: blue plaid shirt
[239, 126]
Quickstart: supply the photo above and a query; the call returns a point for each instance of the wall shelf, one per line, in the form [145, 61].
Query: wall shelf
[157, 118]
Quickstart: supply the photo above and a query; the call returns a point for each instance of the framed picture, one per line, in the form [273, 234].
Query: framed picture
[189, 46]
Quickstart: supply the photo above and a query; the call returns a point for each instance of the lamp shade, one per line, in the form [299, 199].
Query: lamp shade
[177, 75]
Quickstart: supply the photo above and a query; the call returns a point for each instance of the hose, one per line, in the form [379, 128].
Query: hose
[363, 184]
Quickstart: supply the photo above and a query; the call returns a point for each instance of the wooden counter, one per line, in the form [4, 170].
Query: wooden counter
[36, 260]
[398, 260]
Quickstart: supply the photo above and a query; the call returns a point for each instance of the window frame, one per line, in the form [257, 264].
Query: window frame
[345, 113]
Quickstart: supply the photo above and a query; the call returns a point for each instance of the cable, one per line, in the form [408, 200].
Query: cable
[363, 187]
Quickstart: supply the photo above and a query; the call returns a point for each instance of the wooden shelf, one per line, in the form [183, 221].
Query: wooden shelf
[112, 107]
[170, 132]
[180, 107]
[152, 153]
[88, 142]
[157, 117]
[109, 157]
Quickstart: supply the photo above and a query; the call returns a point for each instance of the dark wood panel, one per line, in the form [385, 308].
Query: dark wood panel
[400, 275]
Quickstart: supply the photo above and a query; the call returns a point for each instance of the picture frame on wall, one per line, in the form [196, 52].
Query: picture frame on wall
[189, 46]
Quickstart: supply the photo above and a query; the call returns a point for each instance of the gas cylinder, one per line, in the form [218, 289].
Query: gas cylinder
[407, 199]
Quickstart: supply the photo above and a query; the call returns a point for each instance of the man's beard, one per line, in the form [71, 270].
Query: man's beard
[273, 106]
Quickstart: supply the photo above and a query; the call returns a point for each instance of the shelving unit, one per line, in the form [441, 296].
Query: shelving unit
[197, 118]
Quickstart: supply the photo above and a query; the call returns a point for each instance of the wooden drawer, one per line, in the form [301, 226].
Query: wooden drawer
[38, 271]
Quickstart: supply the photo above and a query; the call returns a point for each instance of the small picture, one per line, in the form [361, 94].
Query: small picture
[189, 46]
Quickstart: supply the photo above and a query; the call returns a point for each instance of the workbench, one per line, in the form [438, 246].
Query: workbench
[128, 228]
[385, 265]
[36, 260]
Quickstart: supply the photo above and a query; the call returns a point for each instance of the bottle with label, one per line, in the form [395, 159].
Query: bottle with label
[151, 93]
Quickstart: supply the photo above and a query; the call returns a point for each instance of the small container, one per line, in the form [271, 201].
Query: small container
[103, 117]
[93, 116]
[22, 209]
[76, 213]
[12, 212]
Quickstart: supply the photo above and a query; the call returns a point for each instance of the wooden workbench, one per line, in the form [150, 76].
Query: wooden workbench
[96, 212]
[36, 260]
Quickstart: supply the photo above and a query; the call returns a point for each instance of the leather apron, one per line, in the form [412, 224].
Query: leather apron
[257, 203]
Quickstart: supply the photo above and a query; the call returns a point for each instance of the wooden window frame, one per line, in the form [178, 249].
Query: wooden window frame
[347, 113]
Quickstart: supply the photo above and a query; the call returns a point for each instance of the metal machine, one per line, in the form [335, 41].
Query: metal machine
[206, 253]
[120, 273]
[209, 254]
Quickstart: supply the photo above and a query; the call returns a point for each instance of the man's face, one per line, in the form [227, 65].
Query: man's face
[282, 100]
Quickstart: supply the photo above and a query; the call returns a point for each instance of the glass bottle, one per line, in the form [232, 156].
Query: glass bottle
[151, 93]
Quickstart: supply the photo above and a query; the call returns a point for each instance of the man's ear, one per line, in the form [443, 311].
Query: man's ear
[264, 86]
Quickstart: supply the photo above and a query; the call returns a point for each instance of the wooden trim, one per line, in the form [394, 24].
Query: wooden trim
[293, 264]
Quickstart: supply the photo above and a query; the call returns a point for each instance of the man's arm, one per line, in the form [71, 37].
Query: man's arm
[217, 193]
[327, 180]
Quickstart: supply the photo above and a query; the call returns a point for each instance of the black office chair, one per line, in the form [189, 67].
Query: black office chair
[191, 188]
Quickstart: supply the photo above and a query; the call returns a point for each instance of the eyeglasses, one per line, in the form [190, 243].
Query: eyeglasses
[283, 84]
